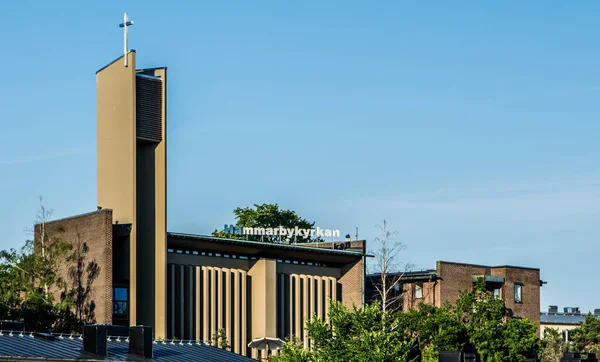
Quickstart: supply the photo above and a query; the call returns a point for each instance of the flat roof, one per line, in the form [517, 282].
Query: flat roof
[261, 249]
[560, 318]
[489, 266]
[415, 275]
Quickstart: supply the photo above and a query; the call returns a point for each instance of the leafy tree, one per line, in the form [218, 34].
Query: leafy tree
[352, 335]
[435, 329]
[586, 337]
[553, 346]
[268, 216]
[494, 335]
[520, 337]
[33, 276]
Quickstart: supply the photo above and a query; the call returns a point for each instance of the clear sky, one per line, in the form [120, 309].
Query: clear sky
[472, 127]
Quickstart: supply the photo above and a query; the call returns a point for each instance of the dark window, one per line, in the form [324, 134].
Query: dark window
[120, 302]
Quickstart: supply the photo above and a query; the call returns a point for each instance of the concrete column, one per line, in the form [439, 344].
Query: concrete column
[319, 281]
[264, 298]
[244, 300]
[304, 298]
[327, 291]
[198, 306]
[236, 311]
[213, 302]
[205, 302]
[228, 303]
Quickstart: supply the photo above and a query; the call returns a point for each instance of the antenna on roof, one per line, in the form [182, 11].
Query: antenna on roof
[357, 233]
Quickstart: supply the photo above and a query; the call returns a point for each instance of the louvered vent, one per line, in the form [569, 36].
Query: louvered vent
[149, 108]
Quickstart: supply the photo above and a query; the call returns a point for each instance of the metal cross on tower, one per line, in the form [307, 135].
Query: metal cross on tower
[126, 23]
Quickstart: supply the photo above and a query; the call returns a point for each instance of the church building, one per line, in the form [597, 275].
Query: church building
[188, 287]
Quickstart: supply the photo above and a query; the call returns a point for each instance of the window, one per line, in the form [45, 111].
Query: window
[418, 291]
[497, 293]
[120, 302]
[518, 296]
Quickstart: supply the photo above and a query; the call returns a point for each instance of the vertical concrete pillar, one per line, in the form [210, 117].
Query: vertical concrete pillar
[205, 302]
[319, 281]
[198, 307]
[236, 311]
[220, 302]
[264, 298]
[298, 307]
[228, 303]
[244, 300]
[213, 302]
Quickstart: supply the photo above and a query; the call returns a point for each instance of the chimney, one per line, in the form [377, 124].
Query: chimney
[94, 339]
[553, 309]
[140, 341]
[597, 312]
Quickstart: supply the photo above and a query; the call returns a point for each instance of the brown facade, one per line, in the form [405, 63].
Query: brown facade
[448, 280]
[254, 290]
[94, 229]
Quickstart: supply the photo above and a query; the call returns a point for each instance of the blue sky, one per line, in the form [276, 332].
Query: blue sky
[471, 127]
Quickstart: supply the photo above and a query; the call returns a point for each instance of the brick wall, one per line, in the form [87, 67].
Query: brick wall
[530, 291]
[457, 277]
[430, 292]
[95, 229]
[351, 281]
[352, 284]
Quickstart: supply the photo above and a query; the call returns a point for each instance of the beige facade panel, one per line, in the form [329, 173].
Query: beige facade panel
[116, 142]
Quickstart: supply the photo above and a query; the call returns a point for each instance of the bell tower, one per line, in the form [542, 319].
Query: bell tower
[132, 177]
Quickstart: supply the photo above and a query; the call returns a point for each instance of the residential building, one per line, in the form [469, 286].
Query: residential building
[519, 287]
[563, 322]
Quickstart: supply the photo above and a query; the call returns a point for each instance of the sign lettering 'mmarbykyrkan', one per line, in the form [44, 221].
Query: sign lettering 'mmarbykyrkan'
[282, 231]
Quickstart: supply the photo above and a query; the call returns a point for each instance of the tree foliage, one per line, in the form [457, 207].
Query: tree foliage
[267, 216]
[586, 337]
[553, 346]
[352, 335]
[477, 321]
[40, 289]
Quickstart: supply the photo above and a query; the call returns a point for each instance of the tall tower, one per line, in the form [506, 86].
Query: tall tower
[131, 126]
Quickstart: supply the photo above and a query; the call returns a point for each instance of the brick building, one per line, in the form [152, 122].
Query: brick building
[188, 286]
[519, 287]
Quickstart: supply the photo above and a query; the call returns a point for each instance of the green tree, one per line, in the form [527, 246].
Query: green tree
[553, 346]
[435, 329]
[352, 335]
[586, 337]
[494, 335]
[33, 276]
[267, 216]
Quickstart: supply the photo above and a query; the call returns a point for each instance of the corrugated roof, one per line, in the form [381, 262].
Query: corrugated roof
[70, 348]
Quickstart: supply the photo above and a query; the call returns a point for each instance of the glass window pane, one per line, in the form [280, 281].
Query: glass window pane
[517, 293]
[120, 294]
[120, 308]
